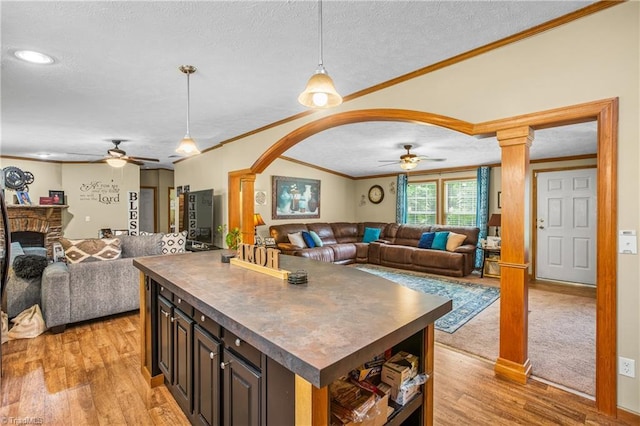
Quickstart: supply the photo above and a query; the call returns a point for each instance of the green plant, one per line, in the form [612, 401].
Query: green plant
[233, 237]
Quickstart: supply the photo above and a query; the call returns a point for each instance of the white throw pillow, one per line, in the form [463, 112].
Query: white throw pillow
[174, 243]
[297, 240]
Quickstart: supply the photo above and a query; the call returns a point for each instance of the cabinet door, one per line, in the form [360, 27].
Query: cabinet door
[165, 338]
[182, 359]
[242, 392]
[206, 378]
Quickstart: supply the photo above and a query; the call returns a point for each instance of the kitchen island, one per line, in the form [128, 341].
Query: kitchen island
[293, 341]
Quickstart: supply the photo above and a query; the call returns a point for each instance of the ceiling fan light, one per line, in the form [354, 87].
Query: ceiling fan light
[320, 91]
[408, 165]
[116, 162]
[187, 146]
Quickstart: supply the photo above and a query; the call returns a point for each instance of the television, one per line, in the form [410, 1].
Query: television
[199, 219]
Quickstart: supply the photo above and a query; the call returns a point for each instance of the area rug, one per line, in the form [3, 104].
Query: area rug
[468, 299]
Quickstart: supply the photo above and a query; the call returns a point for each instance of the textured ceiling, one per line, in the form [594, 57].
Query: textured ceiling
[116, 74]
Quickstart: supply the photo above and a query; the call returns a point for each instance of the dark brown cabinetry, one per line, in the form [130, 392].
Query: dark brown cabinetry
[206, 378]
[215, 377]
[242, 392]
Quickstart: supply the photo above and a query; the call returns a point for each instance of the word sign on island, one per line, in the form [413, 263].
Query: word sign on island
[259, 255]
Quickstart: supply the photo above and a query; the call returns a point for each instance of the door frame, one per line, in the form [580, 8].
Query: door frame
[534, 210]
[605, 112]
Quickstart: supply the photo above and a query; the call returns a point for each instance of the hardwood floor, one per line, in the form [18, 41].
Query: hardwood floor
[90, 375]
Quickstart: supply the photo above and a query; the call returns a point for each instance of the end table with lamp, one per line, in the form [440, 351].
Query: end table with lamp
[257, 221]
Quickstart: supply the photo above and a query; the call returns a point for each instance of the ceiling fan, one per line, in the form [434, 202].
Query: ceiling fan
[410, 161]
[117, 157]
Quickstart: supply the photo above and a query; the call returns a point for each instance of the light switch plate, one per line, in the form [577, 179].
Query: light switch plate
[627, 242]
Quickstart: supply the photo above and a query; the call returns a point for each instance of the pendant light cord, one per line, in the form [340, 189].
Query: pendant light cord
[188, 105]
[320, 62]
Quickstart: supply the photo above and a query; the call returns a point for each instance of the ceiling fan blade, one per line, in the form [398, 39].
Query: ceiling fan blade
[134, 161]
[155, 160]
[88, 155]
[389, 164]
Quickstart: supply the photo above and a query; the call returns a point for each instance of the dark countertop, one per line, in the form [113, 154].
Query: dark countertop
[319, 330]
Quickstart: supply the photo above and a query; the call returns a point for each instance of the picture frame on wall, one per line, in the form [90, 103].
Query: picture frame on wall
[57, 197]
[295, 198]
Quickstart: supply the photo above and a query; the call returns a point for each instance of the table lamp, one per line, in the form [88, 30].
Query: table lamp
[494, 220]
[257, 221]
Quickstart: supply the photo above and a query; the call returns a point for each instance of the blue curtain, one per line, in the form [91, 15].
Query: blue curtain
[401, 198]
[482, 208]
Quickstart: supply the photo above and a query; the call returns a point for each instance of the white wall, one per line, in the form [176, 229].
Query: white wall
[47, 175]
[97, 192]
[596, 57]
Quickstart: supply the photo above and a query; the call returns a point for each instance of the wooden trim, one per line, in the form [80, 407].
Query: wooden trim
[247, 185]
[606, 112]
[514, 371]
[607, 259]
[429, 351]
[311, 404]
[628, 416]
[355, 116]
[169, 199]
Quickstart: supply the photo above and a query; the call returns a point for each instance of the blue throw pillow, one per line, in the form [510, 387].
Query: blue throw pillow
[316, 238]
[370, 234]
[308, 239]
[426, 241]
[440, 241]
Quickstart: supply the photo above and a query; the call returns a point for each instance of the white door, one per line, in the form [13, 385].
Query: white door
[566, 226]
[147, 206]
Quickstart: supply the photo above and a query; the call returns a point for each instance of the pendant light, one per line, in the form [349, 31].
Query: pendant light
[187, 145]
[320, 92]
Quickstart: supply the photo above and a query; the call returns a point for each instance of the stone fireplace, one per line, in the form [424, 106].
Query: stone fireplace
[36, 225]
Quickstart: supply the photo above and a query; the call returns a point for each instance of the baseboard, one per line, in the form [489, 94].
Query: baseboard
[628, 416]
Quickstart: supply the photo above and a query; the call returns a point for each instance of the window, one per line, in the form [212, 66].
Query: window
[460, 197]
[422, 203]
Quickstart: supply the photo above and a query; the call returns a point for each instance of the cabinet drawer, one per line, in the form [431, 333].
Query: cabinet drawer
[242, 348]
[207, 323]
[165, 293]
[183, 306]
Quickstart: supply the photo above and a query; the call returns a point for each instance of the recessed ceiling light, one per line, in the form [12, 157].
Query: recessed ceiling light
[34, 57]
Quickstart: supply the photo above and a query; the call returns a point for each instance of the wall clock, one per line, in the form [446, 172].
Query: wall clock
[376, 194]
[14, 178]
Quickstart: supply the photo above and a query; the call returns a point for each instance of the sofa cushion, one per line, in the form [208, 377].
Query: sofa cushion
[140, 245]
[409, 235]
[440, 240]
[342, 252]
[316, 239]
[297, 240]
[91, 250]
[454, 241]
[280, 232]
[324, 231]
[426, 241]
[174, 243]
[308, 240]
[370, 234]
[345, 232]
[29, 265]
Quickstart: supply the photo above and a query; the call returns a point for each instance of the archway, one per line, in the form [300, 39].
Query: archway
[605, 112]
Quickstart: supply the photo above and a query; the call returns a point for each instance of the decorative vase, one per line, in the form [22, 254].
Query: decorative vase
[285, 201]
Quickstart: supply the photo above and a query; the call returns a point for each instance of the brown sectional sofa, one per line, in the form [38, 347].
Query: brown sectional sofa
[396, 247]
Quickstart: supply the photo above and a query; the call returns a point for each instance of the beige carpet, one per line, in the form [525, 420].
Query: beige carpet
[562, 331]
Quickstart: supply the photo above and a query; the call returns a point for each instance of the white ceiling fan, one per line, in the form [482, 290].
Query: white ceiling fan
[410, 161]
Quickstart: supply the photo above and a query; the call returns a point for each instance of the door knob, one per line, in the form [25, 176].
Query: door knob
[212, 355]
[224, 364]
[541, 227]
[238, 342]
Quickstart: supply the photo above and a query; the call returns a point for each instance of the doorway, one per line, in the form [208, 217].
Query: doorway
[566, 226]
[148, 215]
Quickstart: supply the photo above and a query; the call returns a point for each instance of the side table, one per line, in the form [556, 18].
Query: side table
[490, 259]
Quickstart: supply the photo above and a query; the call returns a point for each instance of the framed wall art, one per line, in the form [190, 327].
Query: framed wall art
[295, 198]
[57, 197]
